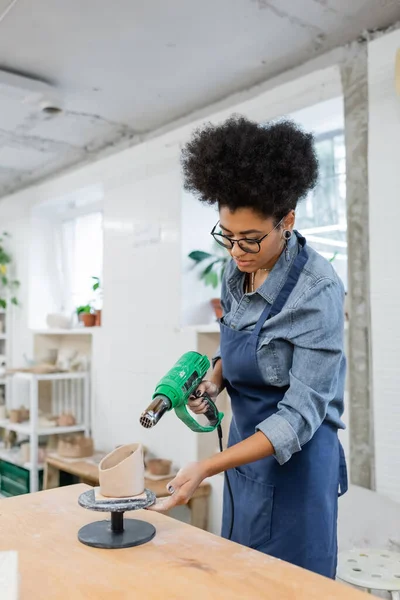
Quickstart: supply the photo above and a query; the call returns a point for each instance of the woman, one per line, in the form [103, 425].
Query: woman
[281, 354]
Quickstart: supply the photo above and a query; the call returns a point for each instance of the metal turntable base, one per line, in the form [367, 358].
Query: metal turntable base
[116, 533]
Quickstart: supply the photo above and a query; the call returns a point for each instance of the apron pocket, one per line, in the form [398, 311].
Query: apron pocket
[253, 511]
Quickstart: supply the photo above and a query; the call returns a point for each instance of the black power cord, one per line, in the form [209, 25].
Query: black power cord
[212, 416]
[228, 484]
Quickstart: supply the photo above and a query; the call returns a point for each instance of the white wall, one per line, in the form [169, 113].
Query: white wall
[384, 219]
[197, 223]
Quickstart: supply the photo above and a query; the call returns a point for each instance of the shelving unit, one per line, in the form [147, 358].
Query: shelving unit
[78, 331]
[70, 393]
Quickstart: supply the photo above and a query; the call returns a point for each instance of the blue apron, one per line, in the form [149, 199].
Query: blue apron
[288, 511]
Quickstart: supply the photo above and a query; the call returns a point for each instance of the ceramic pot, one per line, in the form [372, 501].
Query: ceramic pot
[88, 319]
[55, 321]
[98, 318]
[216, 303]
[15, 416]
[159, 466]
[66, 420]
[121, 473]
[24, 414]
[75, 447]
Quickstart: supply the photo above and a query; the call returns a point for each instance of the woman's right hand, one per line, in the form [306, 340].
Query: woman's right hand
[197, 403]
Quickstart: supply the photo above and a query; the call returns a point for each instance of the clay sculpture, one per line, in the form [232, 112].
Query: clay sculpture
[66, 420]
[121, 473]
[159, 466]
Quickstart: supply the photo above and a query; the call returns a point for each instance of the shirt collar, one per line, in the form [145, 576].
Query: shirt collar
[271, 287]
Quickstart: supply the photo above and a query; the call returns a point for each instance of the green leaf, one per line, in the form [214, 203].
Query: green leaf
[14, 301]
[209, 267]
[333, 257]
[15, 283]
[3, 303]
[83, 309]
[96, 286]
[211, 279]
[199, 255]
[4, 280]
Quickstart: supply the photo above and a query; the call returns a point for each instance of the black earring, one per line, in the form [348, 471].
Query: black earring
[287, 234]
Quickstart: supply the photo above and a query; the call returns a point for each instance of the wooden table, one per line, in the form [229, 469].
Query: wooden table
[180, 563]
[87, 472]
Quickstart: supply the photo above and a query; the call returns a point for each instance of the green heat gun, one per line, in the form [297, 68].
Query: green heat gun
[174, 391]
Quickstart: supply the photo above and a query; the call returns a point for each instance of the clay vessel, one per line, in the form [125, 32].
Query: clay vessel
[216, 304]
[121, 473]
[15, 416]
[75, 447]
[159, 466]
[66, 420]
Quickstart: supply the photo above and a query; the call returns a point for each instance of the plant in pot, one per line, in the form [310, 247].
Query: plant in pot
[211, 271]
[8, 285]
[86, 315]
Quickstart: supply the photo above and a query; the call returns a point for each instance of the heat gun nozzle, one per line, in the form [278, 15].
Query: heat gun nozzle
[151, 416]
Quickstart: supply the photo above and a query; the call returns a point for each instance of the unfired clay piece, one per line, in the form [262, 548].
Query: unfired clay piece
[159, 466]
[66, 420]
[121, 473]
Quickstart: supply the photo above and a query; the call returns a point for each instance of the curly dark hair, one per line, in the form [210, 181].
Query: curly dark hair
[239, 164]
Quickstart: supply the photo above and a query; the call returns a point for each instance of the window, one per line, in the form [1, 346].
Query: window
[321, 217]
[82, 256]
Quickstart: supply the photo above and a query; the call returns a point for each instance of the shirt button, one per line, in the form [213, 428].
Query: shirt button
[247, 300]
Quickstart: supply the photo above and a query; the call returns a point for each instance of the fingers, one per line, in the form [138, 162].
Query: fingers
[210, 388]
[196, 402]
[200, 390]
[198, 405]
[177, 498]
[163, 504]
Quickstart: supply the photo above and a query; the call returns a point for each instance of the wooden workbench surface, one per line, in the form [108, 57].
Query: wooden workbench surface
[181, 562]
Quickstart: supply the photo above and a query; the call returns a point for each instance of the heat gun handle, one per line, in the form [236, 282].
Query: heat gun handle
[211, 413]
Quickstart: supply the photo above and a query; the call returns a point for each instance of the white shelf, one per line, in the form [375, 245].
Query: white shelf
[80, 331]
[3, 336]
[210, 328]
[51, 376]
[13, 457]
[25, 428]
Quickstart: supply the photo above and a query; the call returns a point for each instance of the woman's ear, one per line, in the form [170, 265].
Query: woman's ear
[289, 220]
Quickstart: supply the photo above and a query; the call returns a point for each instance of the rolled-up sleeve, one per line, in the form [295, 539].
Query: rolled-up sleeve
[318, 360]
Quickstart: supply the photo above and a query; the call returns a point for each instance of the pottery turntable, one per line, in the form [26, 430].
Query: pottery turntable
[121, 477]
[117, 532]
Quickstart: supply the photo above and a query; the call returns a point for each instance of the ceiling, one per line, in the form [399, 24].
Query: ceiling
[122, 68]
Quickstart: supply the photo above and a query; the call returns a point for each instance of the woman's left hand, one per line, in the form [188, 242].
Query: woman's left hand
[182, 487]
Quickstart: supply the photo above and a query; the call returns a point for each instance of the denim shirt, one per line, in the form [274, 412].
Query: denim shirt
[302, 347]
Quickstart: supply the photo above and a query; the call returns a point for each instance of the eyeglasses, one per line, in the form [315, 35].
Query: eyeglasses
[245, 244]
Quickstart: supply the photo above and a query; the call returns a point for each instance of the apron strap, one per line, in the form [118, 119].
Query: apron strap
[293, 277]
[343, 480]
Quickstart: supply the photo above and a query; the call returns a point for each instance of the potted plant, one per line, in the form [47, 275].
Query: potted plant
[86, 315]
[211, 271]
[97, 289]
[8, 285]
